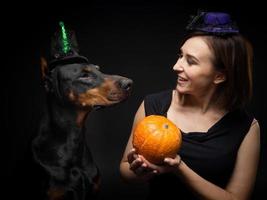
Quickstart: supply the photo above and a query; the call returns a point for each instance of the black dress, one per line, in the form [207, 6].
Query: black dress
[211, 154]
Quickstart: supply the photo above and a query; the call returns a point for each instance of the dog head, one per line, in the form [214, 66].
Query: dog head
[84, 85]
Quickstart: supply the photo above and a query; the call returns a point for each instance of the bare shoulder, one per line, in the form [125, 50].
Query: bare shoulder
[253, 135]
[255, 123]
[140, 114]
[255, 127]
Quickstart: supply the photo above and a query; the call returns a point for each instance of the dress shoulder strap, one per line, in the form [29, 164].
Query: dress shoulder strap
[158, 103]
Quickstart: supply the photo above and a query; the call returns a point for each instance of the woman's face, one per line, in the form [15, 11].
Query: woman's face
[194, 67]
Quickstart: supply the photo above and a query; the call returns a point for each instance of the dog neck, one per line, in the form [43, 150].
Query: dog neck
[62, 130]
[66, 115]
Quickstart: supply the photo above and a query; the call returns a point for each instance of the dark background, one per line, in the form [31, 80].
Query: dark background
[136, 39]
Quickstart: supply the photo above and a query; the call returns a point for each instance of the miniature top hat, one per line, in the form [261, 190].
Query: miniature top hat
[217, 23]
[64, 48]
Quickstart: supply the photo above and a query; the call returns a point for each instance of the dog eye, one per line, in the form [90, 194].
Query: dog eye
[87, 75]
[97, 67]
[87, 78]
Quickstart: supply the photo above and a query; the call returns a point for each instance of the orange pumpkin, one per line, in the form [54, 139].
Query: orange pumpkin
[156, 137]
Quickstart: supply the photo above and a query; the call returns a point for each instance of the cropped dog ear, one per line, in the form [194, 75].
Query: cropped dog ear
[47, 80]
[44, 68]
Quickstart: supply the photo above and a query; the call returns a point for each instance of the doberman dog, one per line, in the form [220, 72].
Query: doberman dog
[73, 90]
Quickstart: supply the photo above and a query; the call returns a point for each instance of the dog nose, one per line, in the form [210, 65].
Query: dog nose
[126, 84]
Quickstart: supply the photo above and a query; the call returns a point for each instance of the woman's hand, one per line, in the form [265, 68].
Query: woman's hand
[139, 165]
[170, 165]
[142, 167]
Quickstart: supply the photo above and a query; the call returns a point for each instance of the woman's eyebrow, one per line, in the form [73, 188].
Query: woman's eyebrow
[188, 55]
[192, 57]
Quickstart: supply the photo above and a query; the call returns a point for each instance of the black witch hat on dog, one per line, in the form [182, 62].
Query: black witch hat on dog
[64, 48]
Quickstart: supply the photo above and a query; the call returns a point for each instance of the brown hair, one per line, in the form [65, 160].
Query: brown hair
[233, 56]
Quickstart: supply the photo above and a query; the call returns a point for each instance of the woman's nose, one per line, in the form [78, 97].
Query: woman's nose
[178, 66]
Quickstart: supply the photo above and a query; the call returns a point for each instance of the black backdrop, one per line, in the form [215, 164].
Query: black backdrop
[138, 40]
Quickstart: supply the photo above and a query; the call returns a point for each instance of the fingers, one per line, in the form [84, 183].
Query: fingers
[145, 171]
[141, 169]
[173, 162]
[134, 160]
[137, 163]
[139, 166]
[131, 156]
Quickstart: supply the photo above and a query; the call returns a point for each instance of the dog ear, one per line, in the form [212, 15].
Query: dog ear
[44, 68]
[47, 80]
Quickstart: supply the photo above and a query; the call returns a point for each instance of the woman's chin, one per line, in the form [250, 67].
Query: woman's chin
[181, 90]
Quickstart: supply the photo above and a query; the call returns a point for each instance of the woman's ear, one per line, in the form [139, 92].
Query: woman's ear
[219, 77]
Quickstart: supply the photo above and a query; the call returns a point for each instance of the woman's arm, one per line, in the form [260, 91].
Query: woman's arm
[242, 180]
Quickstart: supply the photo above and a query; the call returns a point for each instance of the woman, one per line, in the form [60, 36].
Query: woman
[221, 140]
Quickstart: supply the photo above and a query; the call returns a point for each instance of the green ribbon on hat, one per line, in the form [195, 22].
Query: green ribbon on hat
[64, 37]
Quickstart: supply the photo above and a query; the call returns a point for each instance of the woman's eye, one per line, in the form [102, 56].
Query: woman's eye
[190, 61]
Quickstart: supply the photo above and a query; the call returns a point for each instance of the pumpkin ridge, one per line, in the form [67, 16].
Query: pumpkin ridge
[145, 142]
